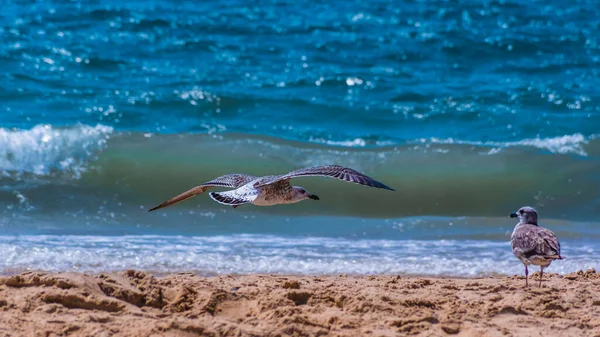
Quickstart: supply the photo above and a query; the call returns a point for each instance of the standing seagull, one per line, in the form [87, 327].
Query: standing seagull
[271, 190]
[533, 244]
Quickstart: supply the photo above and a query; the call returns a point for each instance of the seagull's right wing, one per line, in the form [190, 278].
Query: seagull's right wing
[228, 180]
[332, 171]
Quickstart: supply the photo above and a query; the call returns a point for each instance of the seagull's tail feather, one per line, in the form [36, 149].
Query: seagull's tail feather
[232, 198]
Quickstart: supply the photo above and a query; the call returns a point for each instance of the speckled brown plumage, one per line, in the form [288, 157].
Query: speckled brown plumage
[533, 244]
[273, 189]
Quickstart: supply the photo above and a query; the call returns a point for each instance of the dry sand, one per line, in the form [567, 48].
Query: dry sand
[134, 303]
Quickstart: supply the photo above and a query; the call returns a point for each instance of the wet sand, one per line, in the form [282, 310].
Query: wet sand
[134, 303]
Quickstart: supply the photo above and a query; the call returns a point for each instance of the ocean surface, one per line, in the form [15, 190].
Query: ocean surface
[469, 109]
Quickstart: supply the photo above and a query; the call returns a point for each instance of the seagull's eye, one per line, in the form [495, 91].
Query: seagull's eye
[521, 212]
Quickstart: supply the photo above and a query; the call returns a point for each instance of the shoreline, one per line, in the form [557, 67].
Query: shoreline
[135, 303]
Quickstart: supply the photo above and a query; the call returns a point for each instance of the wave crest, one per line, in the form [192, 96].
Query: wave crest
[44, 149]
[567, 144]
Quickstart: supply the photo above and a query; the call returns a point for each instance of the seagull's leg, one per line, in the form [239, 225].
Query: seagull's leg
[541, 274]
[526, 274]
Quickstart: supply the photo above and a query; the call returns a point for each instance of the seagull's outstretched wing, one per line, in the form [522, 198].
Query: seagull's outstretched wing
[333, 171]
[228, 180]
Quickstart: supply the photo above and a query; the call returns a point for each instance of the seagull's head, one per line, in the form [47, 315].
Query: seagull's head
[302, 194]
[526, 215]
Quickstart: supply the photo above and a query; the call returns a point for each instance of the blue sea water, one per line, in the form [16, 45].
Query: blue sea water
[469, 109]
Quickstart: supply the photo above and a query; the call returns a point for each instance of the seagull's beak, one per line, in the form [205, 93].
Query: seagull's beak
[513, 215]
[313, 197]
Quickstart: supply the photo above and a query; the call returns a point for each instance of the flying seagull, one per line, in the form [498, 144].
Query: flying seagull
[271, 190]
[533, 244]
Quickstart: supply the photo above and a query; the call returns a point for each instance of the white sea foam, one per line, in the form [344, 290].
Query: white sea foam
[563, 145]
[44, 149]
[356, 142]
[245, 253]
[567, 144]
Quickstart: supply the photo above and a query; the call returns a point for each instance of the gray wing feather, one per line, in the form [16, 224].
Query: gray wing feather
[229, 180]
[332, 171]
[552, 245]
[233, 180]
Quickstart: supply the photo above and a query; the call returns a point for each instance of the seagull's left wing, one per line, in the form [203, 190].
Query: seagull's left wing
[332, 171]
[229, 180]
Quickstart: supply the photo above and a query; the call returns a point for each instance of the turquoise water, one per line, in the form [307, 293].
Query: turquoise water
[468, 109]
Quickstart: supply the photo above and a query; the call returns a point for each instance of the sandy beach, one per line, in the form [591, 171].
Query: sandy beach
[134, 303]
